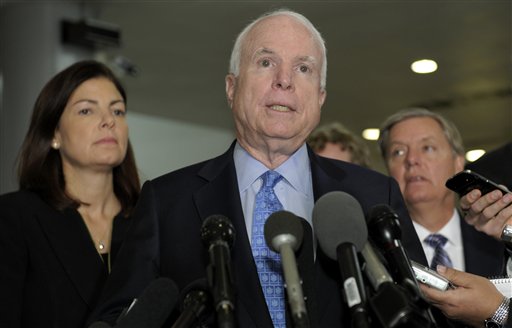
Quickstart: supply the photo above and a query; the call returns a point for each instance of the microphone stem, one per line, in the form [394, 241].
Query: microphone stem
[301, 320]
[186, 319]
[225, 317]
[292, 282]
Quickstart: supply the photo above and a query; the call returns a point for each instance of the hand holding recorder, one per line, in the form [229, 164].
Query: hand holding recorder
[474, 301]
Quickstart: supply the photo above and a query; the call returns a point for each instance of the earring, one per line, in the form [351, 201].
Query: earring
[55, 144]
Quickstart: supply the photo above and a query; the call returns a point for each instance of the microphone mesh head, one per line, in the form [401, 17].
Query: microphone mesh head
[379, 211]
[217, 228]
[283, 224]
[338, 218]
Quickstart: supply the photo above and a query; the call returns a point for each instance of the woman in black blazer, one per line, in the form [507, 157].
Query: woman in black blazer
[60, 232]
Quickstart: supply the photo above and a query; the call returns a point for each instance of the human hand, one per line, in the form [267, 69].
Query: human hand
[488, 213]
[473, 300]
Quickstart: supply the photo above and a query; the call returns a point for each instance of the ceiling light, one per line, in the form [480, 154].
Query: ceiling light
[371, 134]
[474, 154]
[424, 66]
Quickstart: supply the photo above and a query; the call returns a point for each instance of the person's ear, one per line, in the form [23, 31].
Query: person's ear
[230, 88]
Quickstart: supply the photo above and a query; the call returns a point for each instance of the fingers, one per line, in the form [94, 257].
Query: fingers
[467, 200]
[488, 213]
[485, 207]
[456, 277]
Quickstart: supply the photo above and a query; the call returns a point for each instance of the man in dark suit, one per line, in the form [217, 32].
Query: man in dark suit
[422, 150]
[275, 88]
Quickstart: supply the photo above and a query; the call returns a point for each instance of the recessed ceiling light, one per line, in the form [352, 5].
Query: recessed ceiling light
[371, 134]
[424, 66]
[474, 154]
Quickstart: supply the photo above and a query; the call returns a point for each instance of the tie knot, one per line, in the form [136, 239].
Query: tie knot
[436, 240]
[271, 178]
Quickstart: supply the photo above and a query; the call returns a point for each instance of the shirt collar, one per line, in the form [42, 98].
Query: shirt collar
[293, 169]
[451, 230]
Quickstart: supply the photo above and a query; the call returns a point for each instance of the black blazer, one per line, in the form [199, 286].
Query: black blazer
[164, 239]
[50, 272]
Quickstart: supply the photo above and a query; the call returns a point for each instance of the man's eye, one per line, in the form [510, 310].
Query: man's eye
[397, 152]
[265, 63]
[429, 148]
[304, 69]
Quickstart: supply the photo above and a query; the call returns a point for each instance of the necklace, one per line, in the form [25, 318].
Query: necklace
[103, 241]
[100, 239]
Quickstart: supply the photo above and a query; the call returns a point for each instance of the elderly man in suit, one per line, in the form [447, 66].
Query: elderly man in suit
[275, 88]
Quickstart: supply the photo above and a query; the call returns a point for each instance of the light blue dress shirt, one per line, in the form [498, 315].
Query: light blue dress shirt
[295, 190]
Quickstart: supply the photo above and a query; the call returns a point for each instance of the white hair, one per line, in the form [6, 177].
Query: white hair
[234, 62]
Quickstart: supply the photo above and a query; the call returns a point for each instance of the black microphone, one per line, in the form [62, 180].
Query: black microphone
[408, 308]
[153, 306]
[218, 234]
[283, 233]
[196, 303]
[391, 303]
[338, 221]
[384, 229]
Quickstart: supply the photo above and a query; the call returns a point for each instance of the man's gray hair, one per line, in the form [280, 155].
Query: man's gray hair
[236, 54]
[450, 131]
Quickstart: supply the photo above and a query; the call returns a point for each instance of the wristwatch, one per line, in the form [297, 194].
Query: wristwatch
[500, 316]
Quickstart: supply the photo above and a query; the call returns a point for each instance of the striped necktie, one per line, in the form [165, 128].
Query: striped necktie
[437, 242]
[267, 261]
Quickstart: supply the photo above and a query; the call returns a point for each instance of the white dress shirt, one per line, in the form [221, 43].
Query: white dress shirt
[453, 247]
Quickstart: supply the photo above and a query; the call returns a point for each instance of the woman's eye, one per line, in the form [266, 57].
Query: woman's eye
[84, 111]
[119, 112]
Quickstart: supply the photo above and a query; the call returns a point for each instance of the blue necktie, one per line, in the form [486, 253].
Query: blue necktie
[437, 242]
[267, 261]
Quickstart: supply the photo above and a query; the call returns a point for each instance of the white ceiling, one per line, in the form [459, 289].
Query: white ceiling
[182, 48]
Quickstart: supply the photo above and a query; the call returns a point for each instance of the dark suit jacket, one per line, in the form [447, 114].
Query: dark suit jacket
[50, 272]
[484, 255]
[164, 239]
[495, 165]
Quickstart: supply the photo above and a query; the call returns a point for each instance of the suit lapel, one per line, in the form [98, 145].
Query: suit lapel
[483, 255]
[220, 195]
[69, 239]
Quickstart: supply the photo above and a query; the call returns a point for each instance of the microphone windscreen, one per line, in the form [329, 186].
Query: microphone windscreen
[153, 306]
[217, 228]
[338, 218]
[283, 227]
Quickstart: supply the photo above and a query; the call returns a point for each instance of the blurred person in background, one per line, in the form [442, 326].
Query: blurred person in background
[337, 142]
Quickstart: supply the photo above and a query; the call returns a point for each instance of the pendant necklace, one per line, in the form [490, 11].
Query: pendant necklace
[102, 244]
